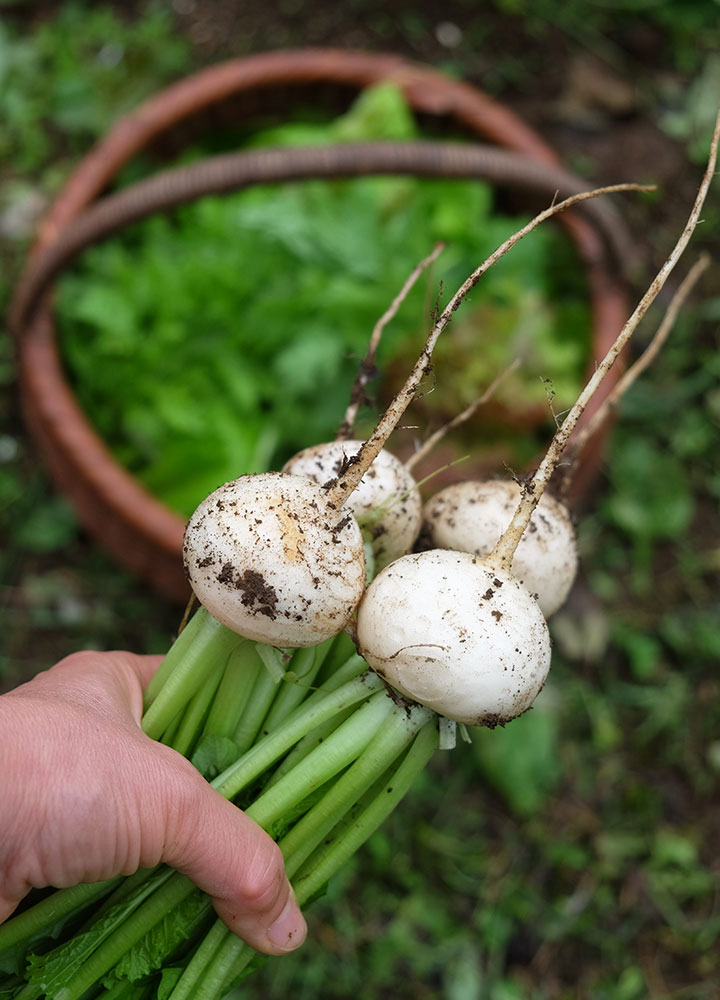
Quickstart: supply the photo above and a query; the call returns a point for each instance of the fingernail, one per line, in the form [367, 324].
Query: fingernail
[289, 930]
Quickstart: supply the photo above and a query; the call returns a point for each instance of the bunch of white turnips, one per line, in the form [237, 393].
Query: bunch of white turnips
[460, 627]
[273, 557]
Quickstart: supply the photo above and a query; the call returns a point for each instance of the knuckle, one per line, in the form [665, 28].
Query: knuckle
[264, 877]
[84, 659]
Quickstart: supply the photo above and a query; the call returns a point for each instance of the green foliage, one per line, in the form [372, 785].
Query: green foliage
[148, 954]
[48, 527]
[685, 30]
[213, 755]
[54, 969]
[77, 71]
[521, 761]
[651, 499]
[693, 115]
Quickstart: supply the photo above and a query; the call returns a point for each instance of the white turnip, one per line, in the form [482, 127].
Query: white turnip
[456, 635]
[471, 517]
[272, 558]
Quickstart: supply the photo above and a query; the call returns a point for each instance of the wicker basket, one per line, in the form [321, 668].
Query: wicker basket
[133, 526]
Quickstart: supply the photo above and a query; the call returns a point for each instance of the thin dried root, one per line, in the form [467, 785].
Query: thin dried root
[366, 371]
[187, 612]
[427, 446]
[502, 554]
[579, 442]
[340, 489]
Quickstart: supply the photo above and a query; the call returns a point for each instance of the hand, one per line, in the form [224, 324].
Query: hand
[86, 795]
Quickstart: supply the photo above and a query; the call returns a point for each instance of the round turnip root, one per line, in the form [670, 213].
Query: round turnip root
[456, 635]
[472, 516]
[386, 503]
[273, 559]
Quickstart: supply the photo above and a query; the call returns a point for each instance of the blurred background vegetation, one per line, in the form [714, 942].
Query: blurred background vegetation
[574, 854]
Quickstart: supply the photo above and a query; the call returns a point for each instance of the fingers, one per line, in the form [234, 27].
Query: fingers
[114, 678]
[163, 807]
[232, 859]
[143, 667]
[138, 671]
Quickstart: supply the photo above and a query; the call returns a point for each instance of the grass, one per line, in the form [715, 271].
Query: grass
[572, 855]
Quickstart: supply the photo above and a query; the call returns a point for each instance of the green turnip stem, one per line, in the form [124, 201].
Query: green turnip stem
[231, 957]
[51, 910]
[347, 743]
[203, 643]
[64, 903]
[308, 743]
[241, 672]
[378, 756]
[258, 704]
[367, 365]
[203, 957]
[127, 886]
[339, 750]
[192, 628]
[427, 446]
[331, 856]
[228, 960]
[583, 435]
[341, 650]
[154, 908]
[196, 712]
[353, 667]
[275, 660]
[502, 555]
[264, 753]
[340, 489]
[123, 990]
[171, 732]
[211, 961]
[29, 992]
[300, 676]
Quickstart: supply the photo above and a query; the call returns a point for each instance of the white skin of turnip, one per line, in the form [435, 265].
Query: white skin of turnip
[386, 503]
[472, 516]
[271, 558]
[457, 635]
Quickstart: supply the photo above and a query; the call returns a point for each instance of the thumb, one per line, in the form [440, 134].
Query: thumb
[232, 859]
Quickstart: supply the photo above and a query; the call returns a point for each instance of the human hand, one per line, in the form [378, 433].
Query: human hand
[86, 795]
